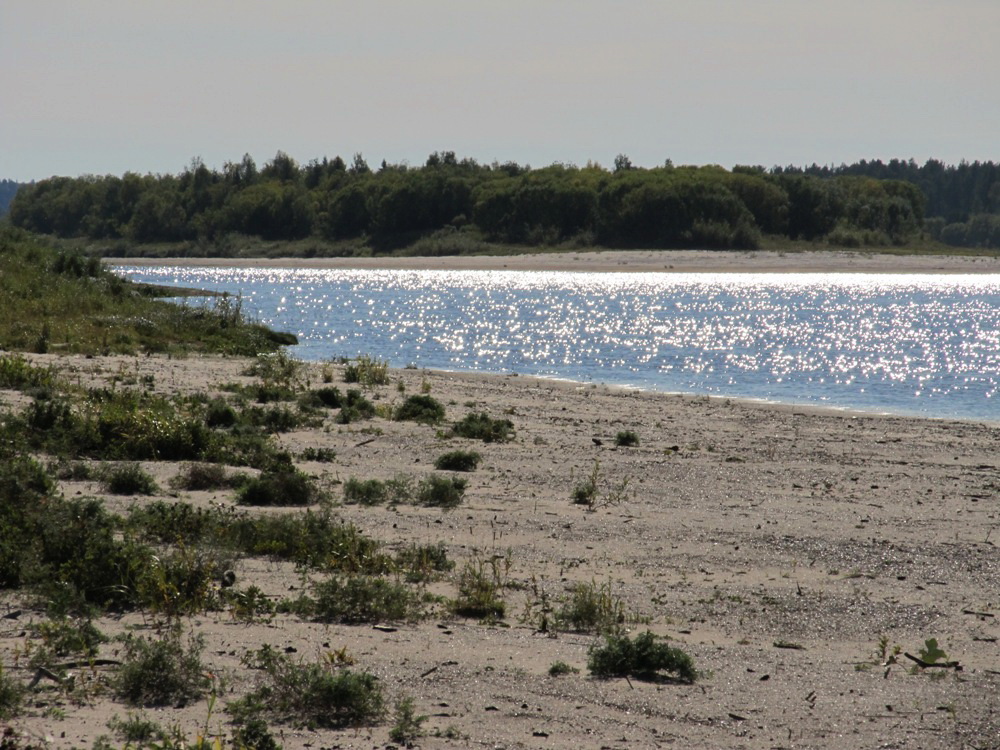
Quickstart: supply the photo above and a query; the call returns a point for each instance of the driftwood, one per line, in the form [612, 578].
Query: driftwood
[932, 664]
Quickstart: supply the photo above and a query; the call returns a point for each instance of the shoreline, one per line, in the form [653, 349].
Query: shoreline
[624, 261]
[775, 544]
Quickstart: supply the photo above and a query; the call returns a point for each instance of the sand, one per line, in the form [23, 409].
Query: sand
[676, 261]
[774, 544]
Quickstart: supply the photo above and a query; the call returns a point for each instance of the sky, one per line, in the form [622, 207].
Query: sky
[109, 86]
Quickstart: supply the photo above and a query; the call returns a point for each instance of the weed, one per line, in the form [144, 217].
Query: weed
[319, 455]
[592, 608]
[17, 373]
[626, 439]
[441, 492]
[359, 599]
[355, 408]
[278, 488]
[420, 563]
[367, 371]
[422, 408]
[161, 672]
[276, 369]
[129, 479]
[182, 581]
[195, 477]
[643, 658]
[480, 426]
[458, 461]
[250, 606]
[11, 695]
[931, 653]
[330, 397]
[313, 695]
[407, 726]
[64, 636]
[481, 586]
[560, 668]
[394, 491]
[254, 734]
[136, 728]
[589, 492]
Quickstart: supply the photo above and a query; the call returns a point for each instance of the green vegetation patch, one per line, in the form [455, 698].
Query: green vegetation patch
[645, 658]
[420, 408]
[458, 461]
[481, 426]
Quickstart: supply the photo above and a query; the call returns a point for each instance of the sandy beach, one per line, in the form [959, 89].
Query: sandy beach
[634, 261]
[775, 545]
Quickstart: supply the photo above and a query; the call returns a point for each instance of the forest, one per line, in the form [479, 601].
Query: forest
[452, 206]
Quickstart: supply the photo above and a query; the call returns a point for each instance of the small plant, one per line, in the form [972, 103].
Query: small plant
[11, 695]
[129, 479]
[360, 599]
[364, 491]
[458, 461]
[161, 672]
[220, 414]
[136, 728]
[592, 608]
[319, 455]
[355, 408]
[560, 668]
[311, 695]
[278, 488]
[481, 426]
[931, 653]
[64, 636]
[276, 369]
[367, 371]
[441, 492]
[481, 587]
[407, 727]
[644, 658]
[195, 477]
[330, 397]
[589, 492]
[420, 563]
[424, 409]
[626, 439]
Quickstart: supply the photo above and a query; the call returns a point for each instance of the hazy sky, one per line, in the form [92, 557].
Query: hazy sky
[107, 86]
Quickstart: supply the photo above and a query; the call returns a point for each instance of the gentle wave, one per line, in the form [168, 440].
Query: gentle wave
[910, 344]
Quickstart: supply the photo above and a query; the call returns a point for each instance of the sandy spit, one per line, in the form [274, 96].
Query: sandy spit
[676, 261]
[774, 545]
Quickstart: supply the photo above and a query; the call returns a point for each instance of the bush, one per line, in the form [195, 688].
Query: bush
[458, 461]
[11, 694]
[643, 658]
[591, 608]
[171, 523]
[367, 371]
[359, 599]
[364, 491]
[161, 672]
[129, 479]
[330, 397]
[278, 488]
[195, 477]
[481, 586]
[483, 427]
[441, 492]
[355, 408]
[220, 414]
[560, 668]
[312, 695]
[626, 439]
[420, 562]
[420, 408]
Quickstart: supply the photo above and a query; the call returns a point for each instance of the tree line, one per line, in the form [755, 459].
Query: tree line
[448, 205]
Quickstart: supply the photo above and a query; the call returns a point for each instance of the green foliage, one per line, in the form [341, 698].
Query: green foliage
[278, 488]
[137, 729]
[367, 371]
[481, 587]
[591, 608]
[594, 492]
[129, 479]
[330, 397]
[441, 492]
[355, 408]
[626, 439]
[11, 694]
[931, 653]
[312, 695]
[359, 599]
[161, 672]
[560, 668]
[101, 313]
[377, 492]
[19, 374]
[419, 563]
[63, 636]
[644, 658]
[195, 477]
[458, 461]
[483, 427]
[407, 726]
[420, 408]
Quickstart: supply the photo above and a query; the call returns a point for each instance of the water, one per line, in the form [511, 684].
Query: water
[906, 344]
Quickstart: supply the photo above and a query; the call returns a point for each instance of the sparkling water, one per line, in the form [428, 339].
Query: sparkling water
[905, 344]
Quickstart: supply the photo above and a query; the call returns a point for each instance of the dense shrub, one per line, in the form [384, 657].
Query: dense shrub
[129, 479]
[278, 488]
[626, 439]
[483, 427]
[441, 492]
[458, 461]
[644, 658]
[419, 408]
[359, 599]
[161, 672]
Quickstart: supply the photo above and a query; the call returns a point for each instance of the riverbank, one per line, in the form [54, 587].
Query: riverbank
[676, 261]
[787, 550]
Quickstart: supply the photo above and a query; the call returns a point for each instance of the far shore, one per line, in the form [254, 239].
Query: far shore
[630, 261]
